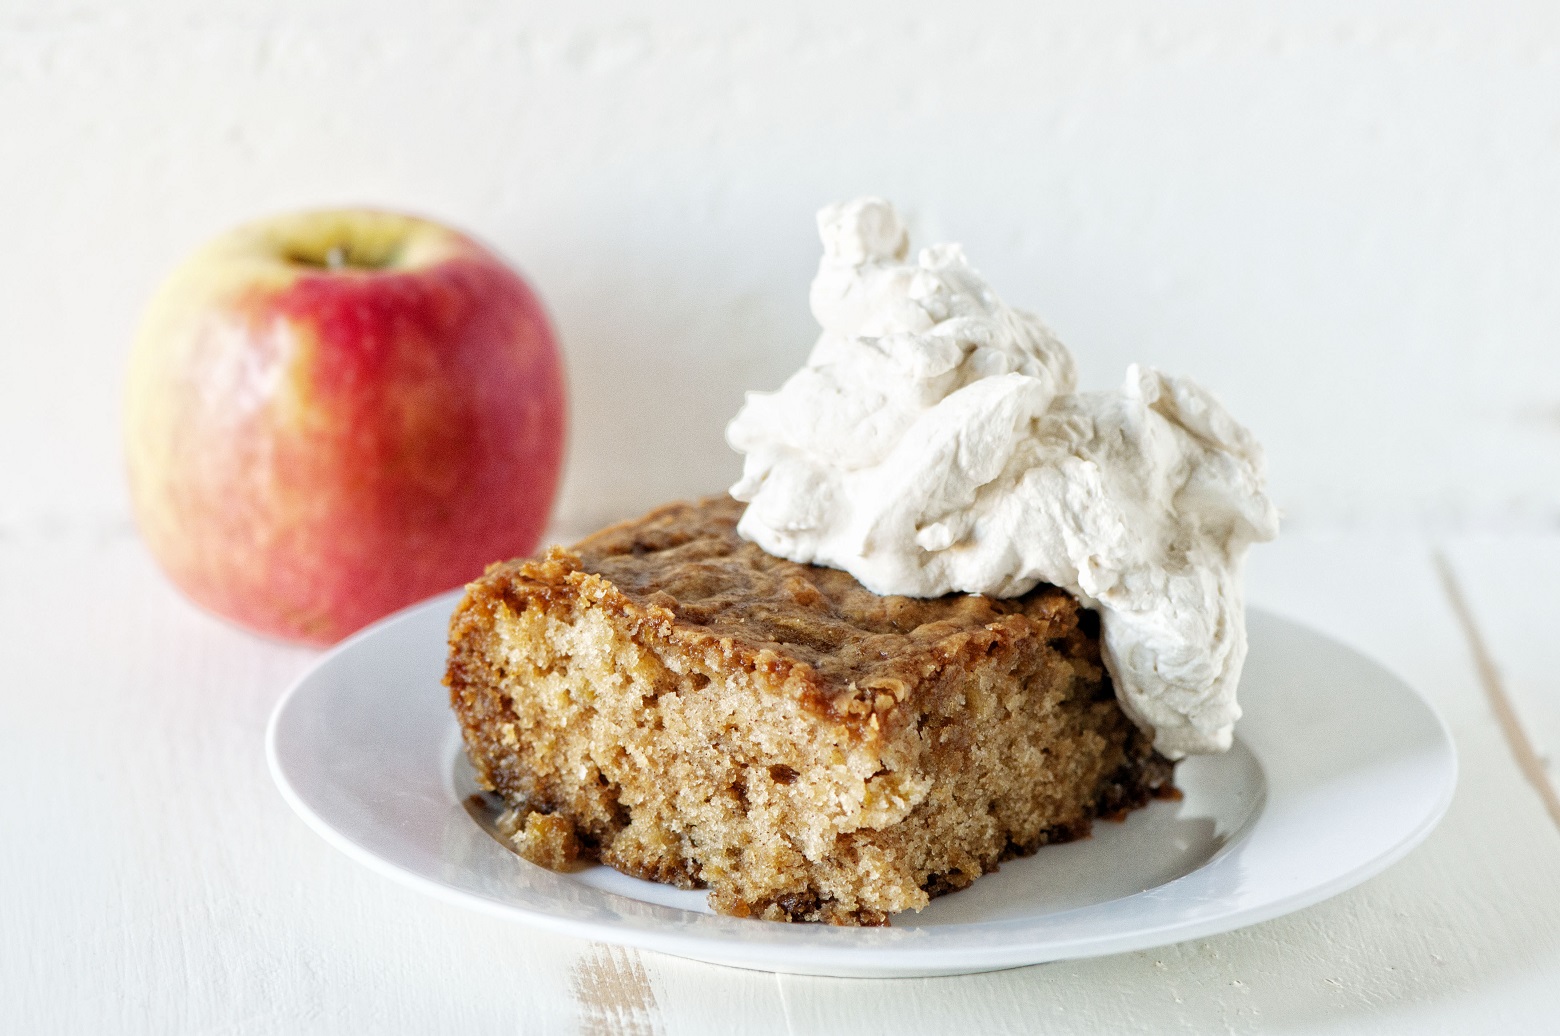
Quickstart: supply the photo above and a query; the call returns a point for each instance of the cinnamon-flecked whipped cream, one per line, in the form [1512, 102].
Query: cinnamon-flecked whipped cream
[935, 442]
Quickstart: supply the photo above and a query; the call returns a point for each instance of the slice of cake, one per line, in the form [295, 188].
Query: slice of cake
[669, 699]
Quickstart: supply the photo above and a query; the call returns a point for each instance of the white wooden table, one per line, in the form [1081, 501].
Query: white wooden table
[152, 880]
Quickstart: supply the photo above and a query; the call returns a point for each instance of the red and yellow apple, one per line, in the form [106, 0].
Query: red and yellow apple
[332, 415]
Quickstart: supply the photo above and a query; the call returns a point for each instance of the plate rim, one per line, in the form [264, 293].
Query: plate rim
[846, 961]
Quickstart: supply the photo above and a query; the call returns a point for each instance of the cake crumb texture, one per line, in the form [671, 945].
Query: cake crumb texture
[547, 840]
[668, 699]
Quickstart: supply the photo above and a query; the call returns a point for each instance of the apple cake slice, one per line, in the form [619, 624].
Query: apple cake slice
[670, 700]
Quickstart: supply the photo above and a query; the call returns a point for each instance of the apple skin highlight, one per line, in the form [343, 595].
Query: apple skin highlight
[333, 415]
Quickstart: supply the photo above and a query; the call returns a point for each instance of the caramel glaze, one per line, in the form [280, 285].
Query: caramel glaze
[681, 574]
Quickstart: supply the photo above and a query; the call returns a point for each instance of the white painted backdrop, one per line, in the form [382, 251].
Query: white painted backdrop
[1343, 217]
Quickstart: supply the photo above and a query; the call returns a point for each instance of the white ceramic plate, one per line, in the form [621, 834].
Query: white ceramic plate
[1338, 770]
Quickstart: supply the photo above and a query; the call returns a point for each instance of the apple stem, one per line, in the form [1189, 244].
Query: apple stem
[336, 258]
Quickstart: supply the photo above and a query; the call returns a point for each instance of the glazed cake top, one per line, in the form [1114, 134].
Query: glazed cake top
[688, 559]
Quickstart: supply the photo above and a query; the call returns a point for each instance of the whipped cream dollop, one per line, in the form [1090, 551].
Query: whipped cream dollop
[935, 442]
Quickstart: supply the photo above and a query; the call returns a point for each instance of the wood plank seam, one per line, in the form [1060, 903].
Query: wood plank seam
[1522, 750]
[785, 1006]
